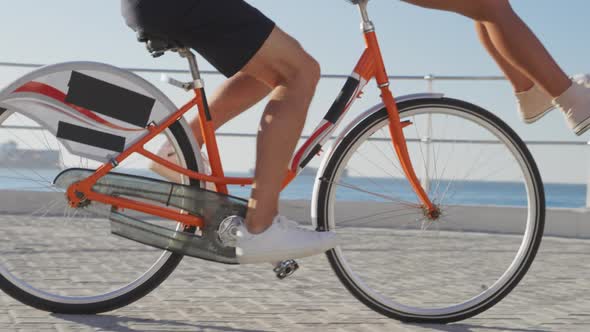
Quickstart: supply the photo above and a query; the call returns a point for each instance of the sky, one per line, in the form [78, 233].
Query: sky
[415, 41]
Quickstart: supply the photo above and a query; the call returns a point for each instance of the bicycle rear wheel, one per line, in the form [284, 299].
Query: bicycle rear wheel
[398, 261]
[65, 260]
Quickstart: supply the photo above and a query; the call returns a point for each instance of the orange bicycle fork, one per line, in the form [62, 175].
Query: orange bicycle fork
[372, 65]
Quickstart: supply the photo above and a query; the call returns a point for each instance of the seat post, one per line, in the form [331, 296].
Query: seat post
[205, 120]
[192, 62]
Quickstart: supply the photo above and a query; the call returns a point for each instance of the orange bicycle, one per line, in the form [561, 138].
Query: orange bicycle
[439, 204]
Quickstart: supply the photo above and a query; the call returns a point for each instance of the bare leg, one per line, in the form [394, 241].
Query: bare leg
[511, 38]
[284, 65]
[519, 81]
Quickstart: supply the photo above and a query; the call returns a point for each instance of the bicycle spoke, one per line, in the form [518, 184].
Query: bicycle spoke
[444, 171]
[369, 179]
[436, 153]
[377, 166]
[390, 160]
[386, 197]
[42, 181]
[388, 214]
[468, 176]
[419, 138]
[48, 206]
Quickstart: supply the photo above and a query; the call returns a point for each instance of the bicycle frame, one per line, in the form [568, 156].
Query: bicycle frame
[370, 65]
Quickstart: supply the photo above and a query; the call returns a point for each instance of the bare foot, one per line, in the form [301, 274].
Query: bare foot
[167, 152]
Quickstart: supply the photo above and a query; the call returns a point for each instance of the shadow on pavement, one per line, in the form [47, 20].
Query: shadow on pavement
[472, 328]
[120, 323]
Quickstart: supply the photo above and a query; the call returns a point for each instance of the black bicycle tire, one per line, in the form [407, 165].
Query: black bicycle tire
[124, 299]
[350, 139]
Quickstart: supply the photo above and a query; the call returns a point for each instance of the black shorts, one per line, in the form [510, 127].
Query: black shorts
[227, 33]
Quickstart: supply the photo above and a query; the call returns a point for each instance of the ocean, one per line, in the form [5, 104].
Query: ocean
[466, 192]
[470, 193]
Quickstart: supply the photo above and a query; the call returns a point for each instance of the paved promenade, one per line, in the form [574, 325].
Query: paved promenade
[201, 296]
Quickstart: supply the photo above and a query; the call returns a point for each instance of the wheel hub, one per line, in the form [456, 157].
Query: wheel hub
[433, 214]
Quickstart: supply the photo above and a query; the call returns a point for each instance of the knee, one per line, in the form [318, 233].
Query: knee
[304, 73]
[285, 63]
[312, 67]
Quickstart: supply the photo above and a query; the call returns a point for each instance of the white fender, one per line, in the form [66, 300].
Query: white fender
[41, 99]
[344, 132]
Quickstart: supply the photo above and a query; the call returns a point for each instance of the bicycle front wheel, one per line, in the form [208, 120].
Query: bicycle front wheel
[400, 262]
[66, 260]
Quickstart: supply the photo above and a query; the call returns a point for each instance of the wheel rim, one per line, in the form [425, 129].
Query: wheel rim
[418, 297]
[44, 262]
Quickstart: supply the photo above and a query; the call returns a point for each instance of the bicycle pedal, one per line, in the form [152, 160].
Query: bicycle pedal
[286, 268]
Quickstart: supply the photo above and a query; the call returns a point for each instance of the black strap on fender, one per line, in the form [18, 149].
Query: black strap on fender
[109, 99]
[90, 137]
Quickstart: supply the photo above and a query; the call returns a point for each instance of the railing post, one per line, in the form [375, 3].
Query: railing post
[427, 140]
[430, 82]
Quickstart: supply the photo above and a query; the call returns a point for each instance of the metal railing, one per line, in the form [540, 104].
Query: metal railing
[429, 77]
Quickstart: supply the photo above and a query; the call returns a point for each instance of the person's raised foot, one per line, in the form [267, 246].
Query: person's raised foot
[533, 104]
[575, 104]
[283, 240]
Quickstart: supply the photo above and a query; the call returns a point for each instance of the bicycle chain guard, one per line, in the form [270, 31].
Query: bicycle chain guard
[211, 206]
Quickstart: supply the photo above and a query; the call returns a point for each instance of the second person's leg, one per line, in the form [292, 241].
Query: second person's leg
[512, 39]
[533, 102]
[516, 43]
[518, 79]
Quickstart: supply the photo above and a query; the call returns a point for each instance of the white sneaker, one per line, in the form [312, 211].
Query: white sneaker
[575, 104]
[536, 103]
[533, 104]
[283, 240]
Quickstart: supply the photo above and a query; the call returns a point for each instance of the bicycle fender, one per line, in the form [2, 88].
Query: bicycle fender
[96, 110]
[343, 133]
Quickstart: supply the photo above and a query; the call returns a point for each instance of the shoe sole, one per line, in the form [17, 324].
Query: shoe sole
[582, 127]
[538, 116]
[282, 255]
